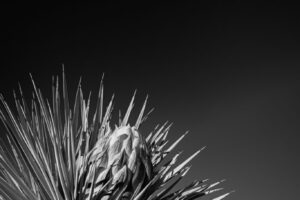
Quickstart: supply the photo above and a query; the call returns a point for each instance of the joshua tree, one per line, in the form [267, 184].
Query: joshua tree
[52, 151]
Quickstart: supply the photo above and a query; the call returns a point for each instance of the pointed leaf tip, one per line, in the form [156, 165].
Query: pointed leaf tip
[222, 196]
[179, 167]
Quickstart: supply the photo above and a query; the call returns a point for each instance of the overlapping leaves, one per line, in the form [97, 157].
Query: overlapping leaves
[49, 149]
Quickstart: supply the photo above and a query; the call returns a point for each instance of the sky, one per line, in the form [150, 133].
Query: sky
[227, 71]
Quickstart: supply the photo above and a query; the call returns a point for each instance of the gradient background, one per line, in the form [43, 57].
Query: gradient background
[226, 71]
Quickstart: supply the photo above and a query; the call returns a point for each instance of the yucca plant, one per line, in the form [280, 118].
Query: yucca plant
[54, 152]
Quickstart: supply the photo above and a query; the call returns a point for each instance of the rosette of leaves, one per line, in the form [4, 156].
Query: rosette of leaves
[52, 151]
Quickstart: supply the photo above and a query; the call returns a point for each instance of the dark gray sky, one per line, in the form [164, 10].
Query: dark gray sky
[226, 71]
